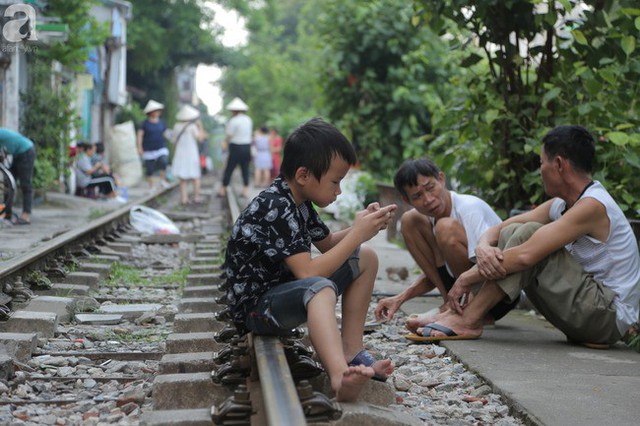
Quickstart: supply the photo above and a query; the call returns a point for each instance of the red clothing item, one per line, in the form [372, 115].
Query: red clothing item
[275, 142]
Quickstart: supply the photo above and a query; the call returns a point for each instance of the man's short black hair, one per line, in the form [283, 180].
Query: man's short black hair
[407, 174]
[572, 142]
[313, 145]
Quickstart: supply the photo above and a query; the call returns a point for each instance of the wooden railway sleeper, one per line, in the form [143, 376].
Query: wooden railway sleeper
[235, 410]
[233, 372]
[317, 407]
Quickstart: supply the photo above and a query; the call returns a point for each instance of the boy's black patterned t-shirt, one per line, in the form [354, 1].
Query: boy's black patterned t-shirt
[269, 230]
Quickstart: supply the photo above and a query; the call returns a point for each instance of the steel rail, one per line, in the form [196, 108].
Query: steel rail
[281, 402]
[62, 241]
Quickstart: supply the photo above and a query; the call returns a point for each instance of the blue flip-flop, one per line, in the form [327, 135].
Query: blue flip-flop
[365, 358]
[426, 337]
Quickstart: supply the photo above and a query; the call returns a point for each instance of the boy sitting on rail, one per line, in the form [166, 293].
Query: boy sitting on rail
[274, 284]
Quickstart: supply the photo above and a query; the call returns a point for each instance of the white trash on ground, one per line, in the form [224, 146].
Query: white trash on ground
[150, 221]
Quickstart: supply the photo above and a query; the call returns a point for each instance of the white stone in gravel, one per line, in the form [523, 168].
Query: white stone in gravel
[66, 371]
[3, 388]
[481, 391]
[20, 377]
[439, 350]
[23, 390]
[89, 383]
[401, 382]
[84, 361]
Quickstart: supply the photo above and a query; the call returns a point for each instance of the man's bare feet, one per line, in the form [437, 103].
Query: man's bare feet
[353, 380]
[456, 323]
[417, 321]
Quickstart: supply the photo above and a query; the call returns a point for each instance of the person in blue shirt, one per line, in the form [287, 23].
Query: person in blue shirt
[152, 146]
[22, 149]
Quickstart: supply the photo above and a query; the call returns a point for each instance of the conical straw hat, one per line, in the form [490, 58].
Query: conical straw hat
[237, 105]
[153, 106]
[187, 113]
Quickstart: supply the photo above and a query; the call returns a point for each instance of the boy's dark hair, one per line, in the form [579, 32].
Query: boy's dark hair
[264, 129]
[99, 147]
[313, 145]
[407, 174]
[572, 142]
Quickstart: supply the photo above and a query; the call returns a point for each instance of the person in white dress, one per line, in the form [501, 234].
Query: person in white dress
[188, 132]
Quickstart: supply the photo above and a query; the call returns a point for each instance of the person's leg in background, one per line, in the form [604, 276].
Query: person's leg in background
[232, 162]
[22, 169]
[245, 161]
[149, 166]
[161, 165]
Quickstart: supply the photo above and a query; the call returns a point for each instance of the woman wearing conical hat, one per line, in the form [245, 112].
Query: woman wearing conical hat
[188, 133]
[152, 146]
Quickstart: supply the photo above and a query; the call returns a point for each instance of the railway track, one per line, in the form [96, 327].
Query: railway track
[108, 326]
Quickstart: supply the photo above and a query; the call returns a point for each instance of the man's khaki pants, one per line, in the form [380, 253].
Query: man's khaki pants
[562, 291]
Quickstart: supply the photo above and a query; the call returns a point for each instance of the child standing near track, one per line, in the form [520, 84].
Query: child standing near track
[274, 284]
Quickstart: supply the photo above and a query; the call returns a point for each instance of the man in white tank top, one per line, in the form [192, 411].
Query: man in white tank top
[575, 255]
[441, 233]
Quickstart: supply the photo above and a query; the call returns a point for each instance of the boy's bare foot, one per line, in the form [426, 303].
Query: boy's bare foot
[383, 368]
[353, 380]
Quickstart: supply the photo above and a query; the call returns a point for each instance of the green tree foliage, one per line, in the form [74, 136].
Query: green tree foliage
[163, 35]
[382, 78]
[597, 80]
[532, 65]
[276, 73]
[84, 32]
[47, 120]
[47, 117]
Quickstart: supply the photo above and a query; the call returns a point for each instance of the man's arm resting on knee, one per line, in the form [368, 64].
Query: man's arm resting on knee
[489, 258]
[588, 217]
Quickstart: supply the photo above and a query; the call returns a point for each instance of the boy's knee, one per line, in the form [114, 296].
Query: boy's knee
[368, 259]
[323, 287]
